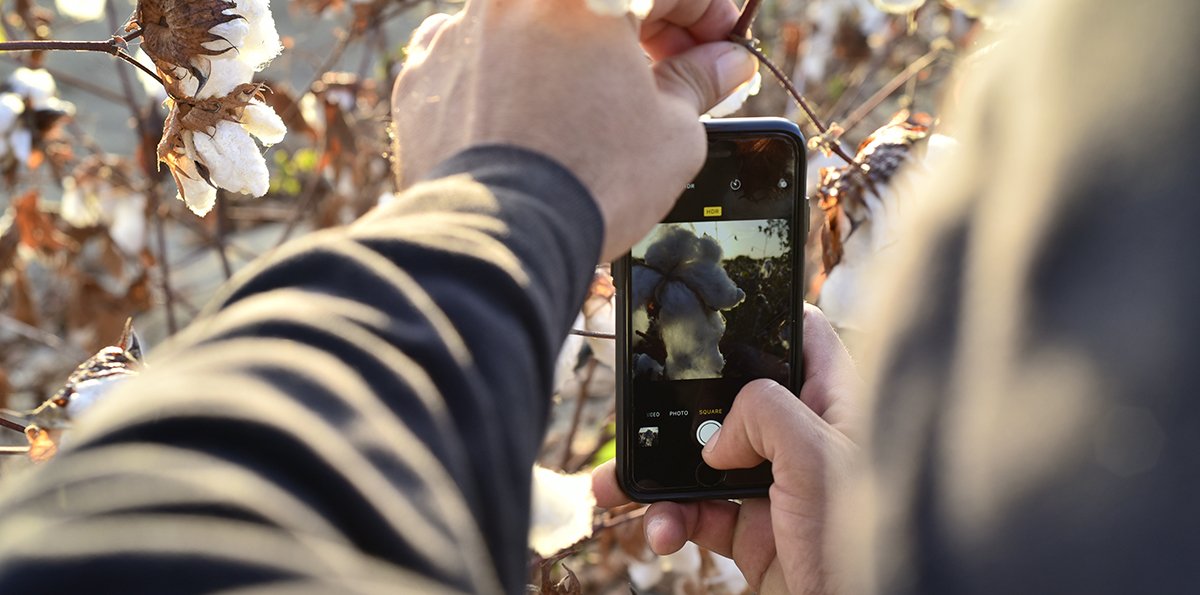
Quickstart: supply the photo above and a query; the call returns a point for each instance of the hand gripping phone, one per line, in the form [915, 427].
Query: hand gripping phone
[710, 300]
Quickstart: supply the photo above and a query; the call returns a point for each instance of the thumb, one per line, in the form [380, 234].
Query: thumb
[765, 421]
[705, 74]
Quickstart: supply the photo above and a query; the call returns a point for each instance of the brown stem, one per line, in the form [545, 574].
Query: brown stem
[580, 401]
[833, 144]
[742, 29]
[592, 334]
[12, 425]
[42, 45]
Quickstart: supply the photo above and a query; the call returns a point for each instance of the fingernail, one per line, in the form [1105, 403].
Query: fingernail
[712, 441]
[734, 67]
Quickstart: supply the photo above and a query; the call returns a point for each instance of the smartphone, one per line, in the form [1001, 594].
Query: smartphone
[710, 300]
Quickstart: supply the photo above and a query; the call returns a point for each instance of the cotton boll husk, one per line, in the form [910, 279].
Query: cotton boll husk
[562, 510]
[261, 120]
[81, 10]
[738, 98]
[233, 160]
[35, 85]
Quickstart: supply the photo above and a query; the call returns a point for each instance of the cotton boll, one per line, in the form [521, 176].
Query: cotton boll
[200, 195]
[77, 209]
[562, 510]
[898, 6]
[224, 76]
[568, 357]
[233, 35]
[734, 101]
[21, 143]
[37, 86]
[233, 160]
[127, 213]
[11, 107]
[603, 320]
[261, 120]
[691, 333]
[150, 85]
[261, 44]
[81, 10]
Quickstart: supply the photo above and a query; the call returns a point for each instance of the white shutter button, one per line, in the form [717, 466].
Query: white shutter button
[706, 430]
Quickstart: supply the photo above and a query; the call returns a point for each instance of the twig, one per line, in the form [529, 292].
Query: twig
[834, 145]
[12, 425]
[742, 28]
[112, 47]
[580, 401]
[856, 117]
[592, 334]
[13, 450]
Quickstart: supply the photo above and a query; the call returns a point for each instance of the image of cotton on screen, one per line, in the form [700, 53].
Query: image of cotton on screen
[711, 299]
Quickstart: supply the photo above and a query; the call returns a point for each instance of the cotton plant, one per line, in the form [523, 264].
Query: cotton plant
[26, 91]
[207, 52]
[98, 194]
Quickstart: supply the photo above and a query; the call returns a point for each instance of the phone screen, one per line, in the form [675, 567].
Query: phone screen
[712, 302]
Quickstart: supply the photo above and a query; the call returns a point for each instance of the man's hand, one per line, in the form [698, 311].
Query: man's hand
[554, 77]
[778, 543]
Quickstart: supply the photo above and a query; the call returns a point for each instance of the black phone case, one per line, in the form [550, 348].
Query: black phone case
[625, 438]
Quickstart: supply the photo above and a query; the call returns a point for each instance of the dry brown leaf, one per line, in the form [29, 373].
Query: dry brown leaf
[43, 444]
[37, 229]
[841, 192]
[174, 33]
[23, 307]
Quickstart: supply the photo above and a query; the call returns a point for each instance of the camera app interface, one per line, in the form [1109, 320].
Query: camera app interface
[711, 306]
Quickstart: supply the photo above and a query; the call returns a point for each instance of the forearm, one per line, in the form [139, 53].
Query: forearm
[389, 381]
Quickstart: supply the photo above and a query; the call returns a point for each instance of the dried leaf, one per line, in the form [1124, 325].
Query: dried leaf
[43, 444]
[841, 192]
[174, 33]
[37, 229]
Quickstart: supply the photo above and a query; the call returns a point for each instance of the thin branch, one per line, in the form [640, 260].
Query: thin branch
[222, 207]
[742, 29]
[856, 117]
[592, 334]
[13, 450]
[832, 143]
[43, 45]
[12, 425]
[163, 266]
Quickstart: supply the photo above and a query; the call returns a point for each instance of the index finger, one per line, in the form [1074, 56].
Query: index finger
[675, 26]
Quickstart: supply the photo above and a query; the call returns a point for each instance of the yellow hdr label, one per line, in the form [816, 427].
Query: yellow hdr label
[712, 211]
